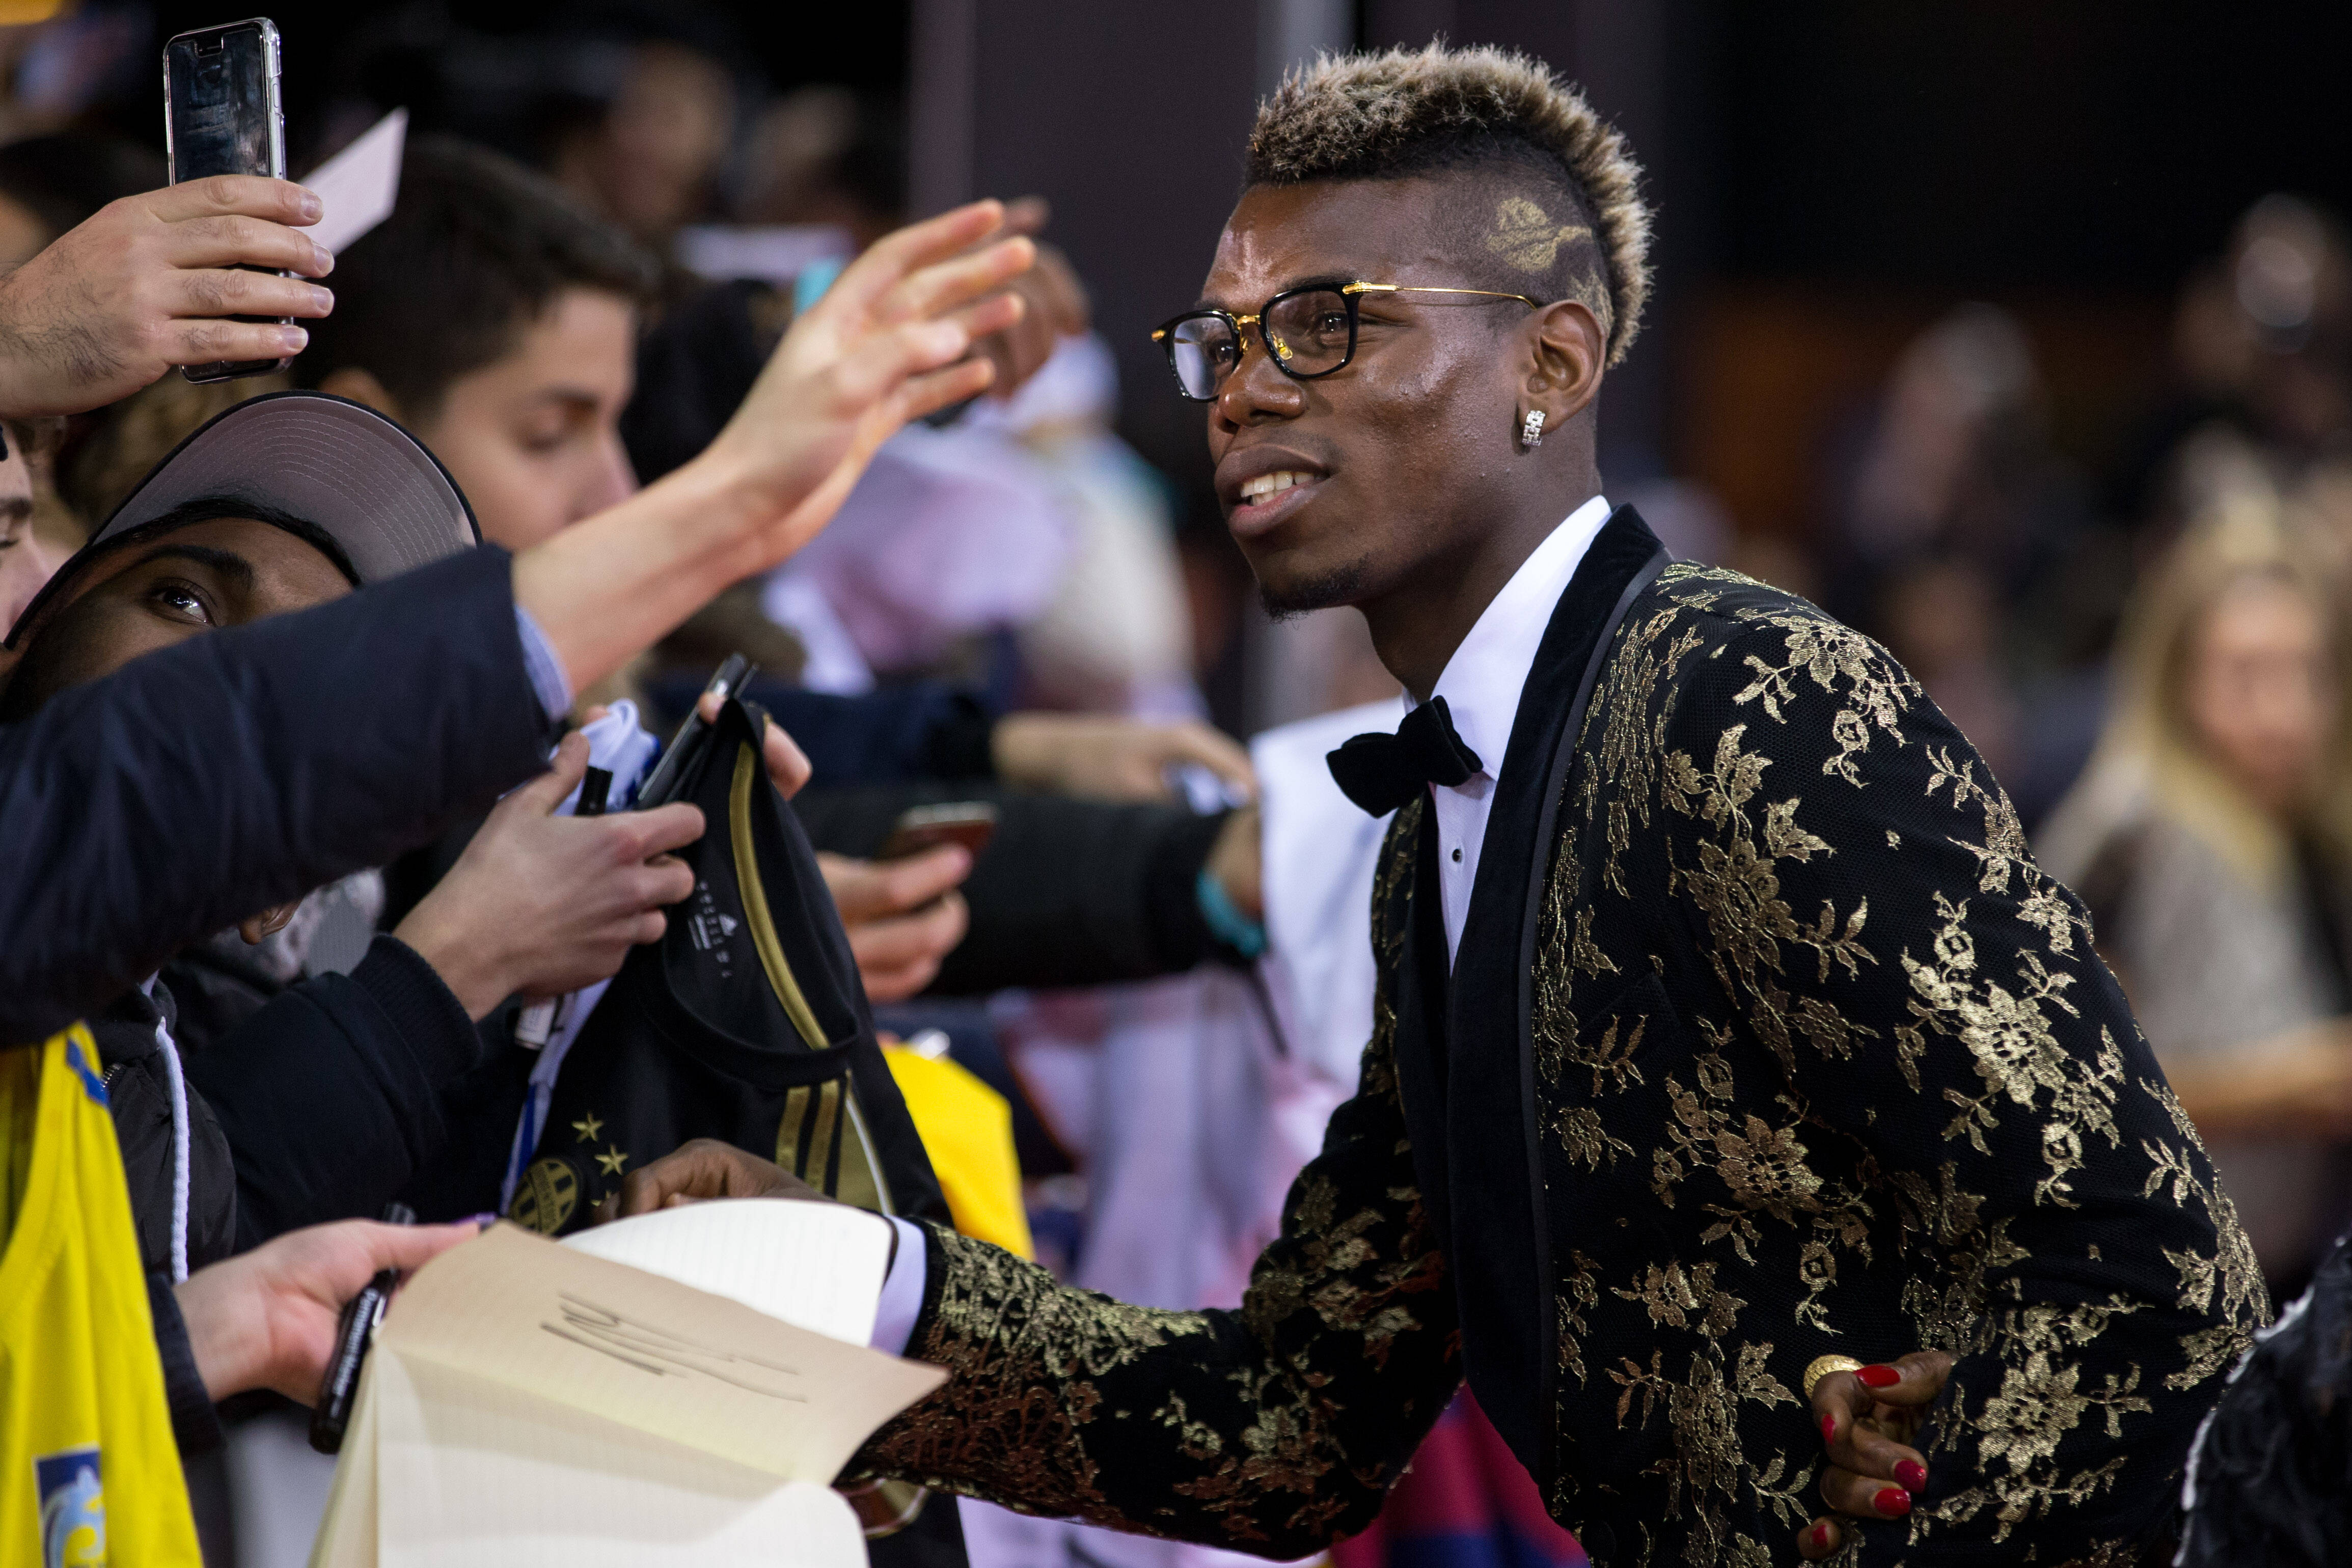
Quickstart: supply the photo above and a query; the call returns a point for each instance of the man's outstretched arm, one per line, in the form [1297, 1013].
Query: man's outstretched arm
[1274, 1429]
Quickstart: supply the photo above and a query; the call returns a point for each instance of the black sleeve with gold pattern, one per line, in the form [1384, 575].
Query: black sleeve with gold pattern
[1276, 1429]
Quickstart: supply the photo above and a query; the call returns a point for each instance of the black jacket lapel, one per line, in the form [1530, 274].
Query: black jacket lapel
[1420, 991]
[1494, 1219]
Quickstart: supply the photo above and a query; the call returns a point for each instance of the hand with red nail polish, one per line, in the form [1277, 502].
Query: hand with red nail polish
[1868, 1418]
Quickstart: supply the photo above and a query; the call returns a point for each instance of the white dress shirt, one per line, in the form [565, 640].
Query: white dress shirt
[1480, 684]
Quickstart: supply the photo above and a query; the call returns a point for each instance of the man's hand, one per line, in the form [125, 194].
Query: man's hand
[539, 904]
[143, 285]
[888, 343]
[788, 765]
[707, 1168]
[1055, 305]
[904, 916]
[1237, 861]
[1111, 758]
[267, 1319]
[1867, 1419]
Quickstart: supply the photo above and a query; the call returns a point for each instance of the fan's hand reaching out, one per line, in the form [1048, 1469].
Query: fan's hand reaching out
[888, 343]
[885, 345]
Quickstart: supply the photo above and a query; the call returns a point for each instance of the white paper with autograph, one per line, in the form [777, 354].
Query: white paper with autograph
[529, 1403]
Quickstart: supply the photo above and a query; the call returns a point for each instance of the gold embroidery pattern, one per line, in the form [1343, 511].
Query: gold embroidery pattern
[1823, 1063]
[1882, 1122]
[1278, 1428]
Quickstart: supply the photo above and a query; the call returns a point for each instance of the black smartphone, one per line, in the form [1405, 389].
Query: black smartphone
[222, 115]
[670, 771]
[970, 823]
[354, 1331]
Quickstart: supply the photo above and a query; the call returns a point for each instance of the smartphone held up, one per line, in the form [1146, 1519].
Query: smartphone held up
[222, 115]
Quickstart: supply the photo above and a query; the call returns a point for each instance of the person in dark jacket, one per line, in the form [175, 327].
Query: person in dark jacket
[1724, 1020]
[540, 904]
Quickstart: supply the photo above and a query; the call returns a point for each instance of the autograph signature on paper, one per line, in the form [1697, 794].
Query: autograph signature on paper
[667, 1354]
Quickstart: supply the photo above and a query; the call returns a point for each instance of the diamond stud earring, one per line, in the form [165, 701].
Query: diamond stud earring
[1531, 433]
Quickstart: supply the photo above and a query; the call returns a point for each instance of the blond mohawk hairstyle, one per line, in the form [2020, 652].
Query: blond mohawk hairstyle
[1403, 112]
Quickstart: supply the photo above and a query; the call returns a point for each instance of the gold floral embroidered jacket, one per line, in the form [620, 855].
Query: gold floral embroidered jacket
[1773, 1043]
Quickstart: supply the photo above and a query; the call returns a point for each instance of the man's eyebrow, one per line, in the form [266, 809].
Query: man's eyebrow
[1318, 281]
[228, 563]
[582, 397]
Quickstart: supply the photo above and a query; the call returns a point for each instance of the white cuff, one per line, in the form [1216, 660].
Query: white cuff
[902, 1292]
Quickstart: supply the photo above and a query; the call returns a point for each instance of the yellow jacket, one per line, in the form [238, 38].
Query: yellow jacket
[88, 1473]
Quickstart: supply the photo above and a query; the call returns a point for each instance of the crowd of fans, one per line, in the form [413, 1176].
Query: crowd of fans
[579, 287]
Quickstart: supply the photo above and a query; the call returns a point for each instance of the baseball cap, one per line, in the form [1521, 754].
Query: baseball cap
[339, 466]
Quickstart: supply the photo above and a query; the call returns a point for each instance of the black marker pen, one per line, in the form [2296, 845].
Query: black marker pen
[353, 1335]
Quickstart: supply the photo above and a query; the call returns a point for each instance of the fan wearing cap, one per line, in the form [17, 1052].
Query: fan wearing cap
[340, 1073]
[281, 504]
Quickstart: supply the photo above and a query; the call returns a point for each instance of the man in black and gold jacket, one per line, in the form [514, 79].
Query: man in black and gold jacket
[1725, 1022]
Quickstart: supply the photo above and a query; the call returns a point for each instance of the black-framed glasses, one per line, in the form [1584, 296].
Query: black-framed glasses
[1308, 332]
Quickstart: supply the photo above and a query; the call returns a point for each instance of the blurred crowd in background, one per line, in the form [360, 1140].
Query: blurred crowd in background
[2140, 618]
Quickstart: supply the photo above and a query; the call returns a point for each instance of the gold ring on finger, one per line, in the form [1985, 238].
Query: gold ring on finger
[1822, 1365]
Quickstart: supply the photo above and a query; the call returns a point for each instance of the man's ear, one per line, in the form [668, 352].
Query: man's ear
[1569, 351]
[259, 928]
[361, 386]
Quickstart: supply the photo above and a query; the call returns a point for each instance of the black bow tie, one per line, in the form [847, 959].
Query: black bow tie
[1382, 772]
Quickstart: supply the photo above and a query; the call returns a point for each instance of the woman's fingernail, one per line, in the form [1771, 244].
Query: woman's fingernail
[1912, 1474]
[1819, 1535]
[480, 1221]
[1892, 1501]
[1829, 1428]
[1879, 1376]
